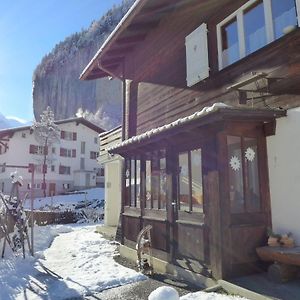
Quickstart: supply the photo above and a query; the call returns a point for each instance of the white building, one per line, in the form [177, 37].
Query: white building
[72, 164]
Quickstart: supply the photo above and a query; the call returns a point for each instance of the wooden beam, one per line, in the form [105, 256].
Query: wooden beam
[112, 61]
[141, 26]
[131, 39]
[119, 51]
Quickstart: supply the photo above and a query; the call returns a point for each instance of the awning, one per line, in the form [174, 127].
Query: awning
[208, 115]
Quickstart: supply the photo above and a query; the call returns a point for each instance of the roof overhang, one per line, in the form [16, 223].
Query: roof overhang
[143, 16]
[207, 116]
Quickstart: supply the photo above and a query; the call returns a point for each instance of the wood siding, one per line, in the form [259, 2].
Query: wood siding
[158, 65]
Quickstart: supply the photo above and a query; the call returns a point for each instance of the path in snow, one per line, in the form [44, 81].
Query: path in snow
[78, 263]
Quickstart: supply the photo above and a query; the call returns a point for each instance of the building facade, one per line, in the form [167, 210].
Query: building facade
[113, 166]
[71, 164]
[210, 127]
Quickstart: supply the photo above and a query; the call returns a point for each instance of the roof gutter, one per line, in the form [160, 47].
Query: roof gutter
[132, 12]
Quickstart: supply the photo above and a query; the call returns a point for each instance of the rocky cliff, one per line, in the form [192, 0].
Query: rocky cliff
[56, 83]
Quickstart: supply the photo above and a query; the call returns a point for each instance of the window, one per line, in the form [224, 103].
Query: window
[190, 188]
[66, 186]
[23, 135]
[253, 26]
[155, 179]
[133, 178]
[93, 155]
[230, 46]
[52, 168]
[244, 192]
[53, 150]
[82, 163]
[284, 16]
[64, 170]
[39, 150]
[148, 183]
[39, 169]
[35, 186]
[68, 135]
[95, 140]
[82, 148]
[67, 152]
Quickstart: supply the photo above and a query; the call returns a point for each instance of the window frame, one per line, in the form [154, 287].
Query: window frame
[190, 181]
[239, 15]
[247, 207]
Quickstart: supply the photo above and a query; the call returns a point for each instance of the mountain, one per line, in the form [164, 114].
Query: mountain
[56, 83]
[9, 122]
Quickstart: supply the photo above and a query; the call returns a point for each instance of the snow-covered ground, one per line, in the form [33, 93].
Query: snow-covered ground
[79, 262]
[71, 261]
[169, 293]
[87, 204]
[67, 202]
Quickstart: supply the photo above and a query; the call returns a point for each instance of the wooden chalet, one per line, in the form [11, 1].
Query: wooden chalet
[204, 84]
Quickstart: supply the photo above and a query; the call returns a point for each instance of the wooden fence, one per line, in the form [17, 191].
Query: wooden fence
[42, 218]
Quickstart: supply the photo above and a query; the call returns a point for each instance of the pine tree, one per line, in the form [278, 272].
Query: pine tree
[46, 133]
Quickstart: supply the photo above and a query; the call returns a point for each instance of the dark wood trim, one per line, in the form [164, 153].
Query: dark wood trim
[155, 219]
[269, 128]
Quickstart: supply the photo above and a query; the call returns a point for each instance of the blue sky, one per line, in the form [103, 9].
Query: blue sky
[29, 29]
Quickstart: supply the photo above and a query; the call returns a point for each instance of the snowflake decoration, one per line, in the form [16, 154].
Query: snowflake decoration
[250, 154]
[235, 163]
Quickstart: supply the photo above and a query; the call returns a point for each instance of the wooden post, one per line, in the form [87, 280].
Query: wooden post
[211, 182]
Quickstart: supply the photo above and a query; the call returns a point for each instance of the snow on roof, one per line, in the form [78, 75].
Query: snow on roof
[205, 111]
[75, 119]
[197, 115]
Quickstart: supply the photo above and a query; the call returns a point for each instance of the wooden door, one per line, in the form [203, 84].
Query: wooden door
[190, 230]
[245, 198]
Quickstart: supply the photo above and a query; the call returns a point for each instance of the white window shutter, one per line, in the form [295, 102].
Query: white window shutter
[197, 64]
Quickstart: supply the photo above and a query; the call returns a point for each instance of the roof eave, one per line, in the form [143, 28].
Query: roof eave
[219, 114]
[132, 12]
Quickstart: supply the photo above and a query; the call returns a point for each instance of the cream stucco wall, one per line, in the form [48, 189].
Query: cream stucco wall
[284, 173]
[113, 189]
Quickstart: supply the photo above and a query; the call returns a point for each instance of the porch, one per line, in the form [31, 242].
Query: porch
[202, 183]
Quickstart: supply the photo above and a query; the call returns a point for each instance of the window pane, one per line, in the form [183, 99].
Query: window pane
[163, 179]
[252, 180]
[236, 192]
[197, 188]
[184, 192]
[284, 16]
[148, 183]
[255, 28]
[230, 43]
[127, 182]
[132, 183]
[155, 179]
[138, 183]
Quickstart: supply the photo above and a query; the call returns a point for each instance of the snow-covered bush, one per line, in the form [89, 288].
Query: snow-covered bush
[164, 293]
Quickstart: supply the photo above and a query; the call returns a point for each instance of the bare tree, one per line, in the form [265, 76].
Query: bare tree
[46, 133]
